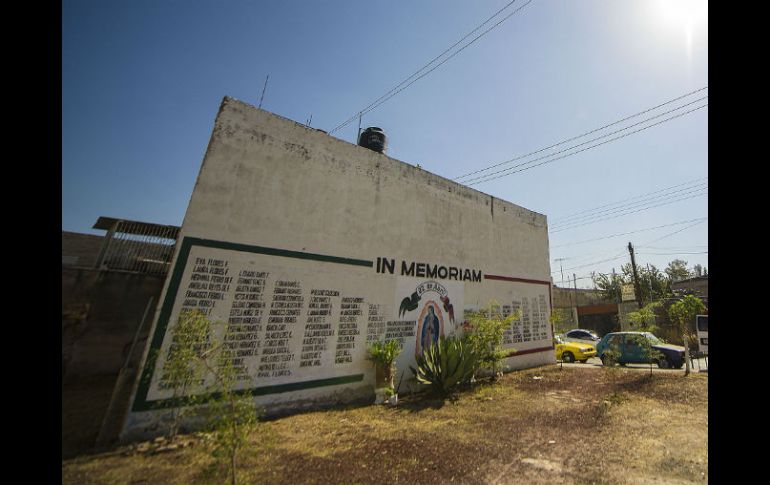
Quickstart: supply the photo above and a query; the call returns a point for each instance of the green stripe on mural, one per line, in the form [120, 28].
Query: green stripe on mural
[140, 402]
[256, 391]
[278, 252]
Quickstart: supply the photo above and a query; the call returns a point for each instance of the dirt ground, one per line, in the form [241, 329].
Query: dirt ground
[538, 426]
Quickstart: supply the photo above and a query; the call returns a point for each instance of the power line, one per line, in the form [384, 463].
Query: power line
[621, 255]
[625, 210]
[582, 135]
[630, 212]
[584, 143]
[628, 206]
[400, 86]
[568, 216]
[671, 254]
[626, 233]
[673, 233]
[616, 257]
[675, 248]
[489, 177]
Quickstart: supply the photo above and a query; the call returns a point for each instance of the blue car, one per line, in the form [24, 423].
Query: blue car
[631, 350]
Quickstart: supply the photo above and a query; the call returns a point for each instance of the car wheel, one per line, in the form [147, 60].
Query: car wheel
[567, 357]
[606, 361]
[663, 363]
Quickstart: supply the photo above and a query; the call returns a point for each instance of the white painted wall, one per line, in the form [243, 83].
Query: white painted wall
[268, 182]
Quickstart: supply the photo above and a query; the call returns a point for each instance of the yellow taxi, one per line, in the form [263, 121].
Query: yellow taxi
[572, 351]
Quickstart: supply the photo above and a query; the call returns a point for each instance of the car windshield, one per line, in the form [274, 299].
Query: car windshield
[653, 339]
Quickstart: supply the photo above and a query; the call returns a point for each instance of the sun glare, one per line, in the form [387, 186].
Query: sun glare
[688, 17]
[683, 13]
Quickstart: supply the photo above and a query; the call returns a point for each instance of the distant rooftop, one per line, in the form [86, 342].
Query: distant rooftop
[136, 227]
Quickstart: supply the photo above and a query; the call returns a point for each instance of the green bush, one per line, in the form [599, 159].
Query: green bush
[446, 364]
[485, 335]
[384, 353]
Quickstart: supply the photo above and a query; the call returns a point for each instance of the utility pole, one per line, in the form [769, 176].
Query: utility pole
[562, 270]
[637, 287]
[574, 282]
[649, 276]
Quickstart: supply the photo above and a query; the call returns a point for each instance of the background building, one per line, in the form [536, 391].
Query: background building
[109, 285]
[586, 309]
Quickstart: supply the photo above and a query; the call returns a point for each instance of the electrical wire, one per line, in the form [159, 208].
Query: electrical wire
[398, 88]
[569, 216]
[583, 134]
[629, 212]
[670, 254]
[626, 233]
[628, 206]
[622, 254]
[507, 172]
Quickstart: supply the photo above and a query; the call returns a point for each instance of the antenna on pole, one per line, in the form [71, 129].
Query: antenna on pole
[562, 270]
[263, 91]
[358, 137]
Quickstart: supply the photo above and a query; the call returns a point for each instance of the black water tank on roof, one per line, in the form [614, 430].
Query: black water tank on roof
[373, 138]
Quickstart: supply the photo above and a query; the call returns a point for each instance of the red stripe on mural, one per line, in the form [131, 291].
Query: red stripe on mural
[523, 280]
[518, 280]
[531, 351]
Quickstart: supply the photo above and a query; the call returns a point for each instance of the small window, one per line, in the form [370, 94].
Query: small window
[703, 323]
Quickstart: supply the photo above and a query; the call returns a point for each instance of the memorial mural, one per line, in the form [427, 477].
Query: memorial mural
[290, 328]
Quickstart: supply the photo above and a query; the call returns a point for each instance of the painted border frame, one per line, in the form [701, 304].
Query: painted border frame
[140, 400]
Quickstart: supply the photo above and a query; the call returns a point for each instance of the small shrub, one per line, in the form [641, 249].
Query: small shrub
[192, 357]
[485, 336]
[383, 355]
[683, 313]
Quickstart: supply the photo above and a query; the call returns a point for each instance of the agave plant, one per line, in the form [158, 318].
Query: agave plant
[446, 364]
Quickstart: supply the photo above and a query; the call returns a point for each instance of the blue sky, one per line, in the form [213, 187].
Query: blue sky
[142, 82]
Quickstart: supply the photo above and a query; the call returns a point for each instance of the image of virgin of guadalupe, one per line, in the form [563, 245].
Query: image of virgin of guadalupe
[430, 329]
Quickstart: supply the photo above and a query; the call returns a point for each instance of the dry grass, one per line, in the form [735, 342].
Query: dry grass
[569, 426]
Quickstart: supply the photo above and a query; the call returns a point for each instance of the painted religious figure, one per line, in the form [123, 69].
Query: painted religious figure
[430, 329]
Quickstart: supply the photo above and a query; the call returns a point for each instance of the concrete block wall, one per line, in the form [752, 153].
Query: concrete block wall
[80, 249]
[101, 311]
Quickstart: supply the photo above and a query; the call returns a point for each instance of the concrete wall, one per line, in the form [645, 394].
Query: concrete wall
[101, 311]
[587, 309]
[566, 297]
[282, 211]
[698, 286]
[80, 249]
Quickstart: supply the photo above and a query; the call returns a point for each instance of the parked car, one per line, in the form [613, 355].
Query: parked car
[582, 336]
[631, 350]
[572, 351]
